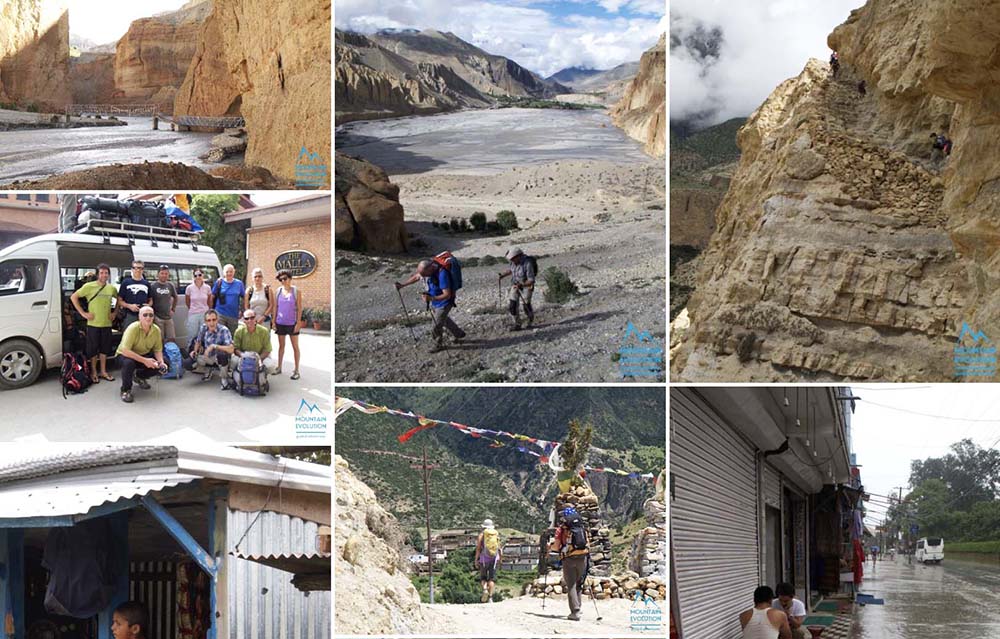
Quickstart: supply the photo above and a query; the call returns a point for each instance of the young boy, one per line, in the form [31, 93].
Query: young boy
[130, 621]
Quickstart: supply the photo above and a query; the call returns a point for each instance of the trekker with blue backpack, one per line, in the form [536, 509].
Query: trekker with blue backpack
[443, 277]
[252, 360]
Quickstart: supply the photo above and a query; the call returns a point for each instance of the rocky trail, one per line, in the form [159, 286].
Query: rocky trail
[604, 235]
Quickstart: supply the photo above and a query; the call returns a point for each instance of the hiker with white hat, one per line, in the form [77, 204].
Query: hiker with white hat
[523, 269]
[488, 558]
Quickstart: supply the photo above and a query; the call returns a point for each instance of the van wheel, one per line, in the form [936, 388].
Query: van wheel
[20, 364]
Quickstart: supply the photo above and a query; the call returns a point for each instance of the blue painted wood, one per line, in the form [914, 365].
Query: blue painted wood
[179, 533]
[213, 630]
[15, 568]
[119, 541]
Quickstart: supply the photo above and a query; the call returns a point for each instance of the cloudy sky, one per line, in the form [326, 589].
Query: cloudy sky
[543, 36]
[763, 42]
[896, 423]
[111, 22]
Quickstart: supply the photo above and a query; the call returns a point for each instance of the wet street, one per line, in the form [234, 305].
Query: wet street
[33, 154]
[958, 598]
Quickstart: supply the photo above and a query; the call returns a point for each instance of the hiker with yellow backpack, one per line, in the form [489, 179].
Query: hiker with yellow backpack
[488, 558]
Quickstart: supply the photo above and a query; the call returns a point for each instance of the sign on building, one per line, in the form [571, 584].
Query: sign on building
[298, 263]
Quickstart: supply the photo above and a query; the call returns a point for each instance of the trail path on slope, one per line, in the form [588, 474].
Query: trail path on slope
[524, 616]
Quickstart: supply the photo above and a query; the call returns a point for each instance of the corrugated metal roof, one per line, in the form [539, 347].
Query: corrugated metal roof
[88, 457]
[79, 495]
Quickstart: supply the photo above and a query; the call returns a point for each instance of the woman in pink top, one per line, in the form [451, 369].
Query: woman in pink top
[196, 298]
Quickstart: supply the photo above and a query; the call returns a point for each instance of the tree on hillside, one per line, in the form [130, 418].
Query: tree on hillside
[228, 240]
[970, 473]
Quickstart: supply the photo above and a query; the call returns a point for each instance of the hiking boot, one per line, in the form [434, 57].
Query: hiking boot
[531, 320]
[437, 348]
[485, 597]
[207, 376]
[127, 397]
[141, 383]
[575, 616]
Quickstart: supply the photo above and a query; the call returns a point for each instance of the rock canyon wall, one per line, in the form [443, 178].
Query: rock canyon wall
[34, 53]
[844, 248]
[270, 62]
[642, 109]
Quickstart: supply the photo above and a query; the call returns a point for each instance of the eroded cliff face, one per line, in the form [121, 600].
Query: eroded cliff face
[642, 110]
[843, 249]
[367, 213]
[92, 78]
[270, 62]
[34, 53]
[152, 58]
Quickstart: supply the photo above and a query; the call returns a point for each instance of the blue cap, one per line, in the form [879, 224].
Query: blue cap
[569, 511]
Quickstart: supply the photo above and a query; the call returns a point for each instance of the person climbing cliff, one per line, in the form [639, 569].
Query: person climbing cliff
[834, 63]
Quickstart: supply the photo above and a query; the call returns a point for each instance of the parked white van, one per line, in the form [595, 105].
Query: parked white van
[38, 275]
[930, 550]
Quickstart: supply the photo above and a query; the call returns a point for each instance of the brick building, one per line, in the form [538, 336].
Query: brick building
[24, 215]
[294, 234]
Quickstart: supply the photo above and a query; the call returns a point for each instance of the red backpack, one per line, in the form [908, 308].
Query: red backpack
[75, 374]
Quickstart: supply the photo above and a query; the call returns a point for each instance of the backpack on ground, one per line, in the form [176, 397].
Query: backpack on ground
[172, 355]
[491, 545]
[75, 374]
[450, 263]
[251, 378]
[578, 534]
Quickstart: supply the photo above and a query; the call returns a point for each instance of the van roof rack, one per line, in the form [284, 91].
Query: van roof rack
[109, 228]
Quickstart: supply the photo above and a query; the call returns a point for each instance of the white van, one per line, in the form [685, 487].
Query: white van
[930, 550]
[38, 275]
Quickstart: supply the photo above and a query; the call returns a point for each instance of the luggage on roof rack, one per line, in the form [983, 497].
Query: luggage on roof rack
[123, 227]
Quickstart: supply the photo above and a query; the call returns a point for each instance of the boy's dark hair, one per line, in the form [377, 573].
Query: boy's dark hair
[784, 589]
[103, 267]
[135, 614]
[763, 594]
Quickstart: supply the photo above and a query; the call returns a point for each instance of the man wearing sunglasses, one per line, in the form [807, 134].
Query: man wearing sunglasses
[211, 348]
[141, 353]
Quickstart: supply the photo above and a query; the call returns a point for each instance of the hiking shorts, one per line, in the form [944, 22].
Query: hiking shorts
[488, 572]
[286, 329]
[99, 341]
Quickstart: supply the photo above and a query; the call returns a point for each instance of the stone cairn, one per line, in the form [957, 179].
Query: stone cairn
[648, 556]
[585, 502]
[618, 587]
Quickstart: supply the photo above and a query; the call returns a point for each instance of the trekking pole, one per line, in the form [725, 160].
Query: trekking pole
[500, 291]
[594, 599]
[406, 315]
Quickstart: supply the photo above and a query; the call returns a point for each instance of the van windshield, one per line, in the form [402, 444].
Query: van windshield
[933, 541]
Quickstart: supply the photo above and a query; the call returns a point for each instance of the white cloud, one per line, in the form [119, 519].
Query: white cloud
[764, 43]
[524, 33]
[112, 21]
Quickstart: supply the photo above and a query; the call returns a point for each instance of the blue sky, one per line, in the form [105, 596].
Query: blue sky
[541, 36]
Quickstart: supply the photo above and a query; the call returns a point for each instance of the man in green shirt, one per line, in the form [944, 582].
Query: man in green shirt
[250, 338]
[141, 353]
[98, 295]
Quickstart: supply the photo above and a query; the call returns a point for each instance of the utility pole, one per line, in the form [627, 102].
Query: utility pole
[426, 469]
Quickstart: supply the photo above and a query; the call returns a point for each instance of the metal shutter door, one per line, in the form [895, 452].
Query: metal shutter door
[713, 519]
[772, 487]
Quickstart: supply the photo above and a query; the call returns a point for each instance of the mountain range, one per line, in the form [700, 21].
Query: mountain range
[396, 72]
[474, 480]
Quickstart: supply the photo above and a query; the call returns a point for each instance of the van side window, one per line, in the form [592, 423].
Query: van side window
[22, 276]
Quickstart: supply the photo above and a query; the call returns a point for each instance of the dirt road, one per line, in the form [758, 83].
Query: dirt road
[524, 616]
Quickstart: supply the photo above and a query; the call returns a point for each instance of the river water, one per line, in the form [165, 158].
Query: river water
[39, 153]
[480, 142]
[958, 598]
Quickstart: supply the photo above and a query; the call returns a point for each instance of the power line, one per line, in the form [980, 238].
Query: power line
[921, 414]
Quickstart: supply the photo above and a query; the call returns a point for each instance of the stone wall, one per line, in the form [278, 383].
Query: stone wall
[617, 587]
[585, 502]
[648, 556]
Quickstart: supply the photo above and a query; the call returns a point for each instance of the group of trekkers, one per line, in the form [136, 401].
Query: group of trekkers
[570, 541]
[227, 323]
[941, 144]
[442, 278]
[776, 614]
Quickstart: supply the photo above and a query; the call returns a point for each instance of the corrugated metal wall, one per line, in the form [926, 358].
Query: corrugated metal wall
[713, 518]
[154, 583]
[263, 603]
[772, 487]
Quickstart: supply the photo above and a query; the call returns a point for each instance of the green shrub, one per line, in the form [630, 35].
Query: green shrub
[507, 220]
[489, 260]
[470, 261]
[457, 583]
[478, 221]
[454, 224]
[493, 228]
[33, 108]
[559, 287]
[435, 224]
[463, 225]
